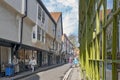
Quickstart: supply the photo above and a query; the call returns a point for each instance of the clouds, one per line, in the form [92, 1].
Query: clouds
[69, 9]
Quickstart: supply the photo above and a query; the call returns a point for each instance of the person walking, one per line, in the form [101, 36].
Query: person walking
[75, 62]
[33, 63]
[16, 64]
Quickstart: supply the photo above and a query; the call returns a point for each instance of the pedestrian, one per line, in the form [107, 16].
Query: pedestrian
[70, 60]
[75, 62]
[33, 63]
[21, 65]
[16, 64]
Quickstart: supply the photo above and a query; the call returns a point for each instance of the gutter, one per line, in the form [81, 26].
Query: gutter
[18, 46]
[21, 32]
[55, 36]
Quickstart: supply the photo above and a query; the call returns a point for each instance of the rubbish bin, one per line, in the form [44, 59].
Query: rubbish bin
[9, 70]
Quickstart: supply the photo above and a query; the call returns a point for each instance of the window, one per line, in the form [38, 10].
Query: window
[54, 30]
[43, 36]
[33, 34]
[51, 43]
[38, 33]
[43, 17]
[39, 13]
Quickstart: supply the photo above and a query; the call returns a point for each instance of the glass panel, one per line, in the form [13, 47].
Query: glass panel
[39, 32]
[43, 36]
[108, 71]
[95, 50]
[21, 56]
[43, 16]
[101, 15]
[96, 3]
[35, 54]
[100, 46]
[118, 71]
[110, 4]
[5, 57]
[28, 56]
[33, 34]
[118, 3]
[109, 8]
[100, 70]
[118, 54]
[39, 12]
[109, 41]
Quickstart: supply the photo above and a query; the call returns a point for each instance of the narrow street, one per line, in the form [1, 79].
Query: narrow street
[52, 74]
[37, 41]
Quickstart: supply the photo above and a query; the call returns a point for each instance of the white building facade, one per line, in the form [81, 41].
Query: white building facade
[26, 30]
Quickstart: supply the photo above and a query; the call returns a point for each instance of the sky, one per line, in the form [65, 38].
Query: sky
[109, 2]
[69, 9]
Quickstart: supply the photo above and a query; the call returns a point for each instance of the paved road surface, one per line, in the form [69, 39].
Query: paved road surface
[75, 74]
[52, 74]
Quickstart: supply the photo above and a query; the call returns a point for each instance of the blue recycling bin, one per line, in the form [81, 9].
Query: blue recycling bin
[9, 70]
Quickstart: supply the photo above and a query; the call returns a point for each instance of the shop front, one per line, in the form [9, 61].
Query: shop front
[24, 56]
[6, 52]
[26, 53]
[44, 58]
[39, 58]
[5, 58]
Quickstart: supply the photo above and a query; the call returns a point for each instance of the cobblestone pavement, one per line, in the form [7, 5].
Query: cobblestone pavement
[52, 74]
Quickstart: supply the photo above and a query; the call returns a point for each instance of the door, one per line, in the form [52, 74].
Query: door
[48, 59]
[39, 58]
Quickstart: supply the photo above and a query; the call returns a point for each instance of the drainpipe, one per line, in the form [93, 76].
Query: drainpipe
[55, 37]
[21, 32]
[54, 40]
[18, 46]
[66, 48]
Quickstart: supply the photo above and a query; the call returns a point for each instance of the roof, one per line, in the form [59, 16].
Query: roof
[56, 15]
[67, 38]
[107, 13]
[46, 10]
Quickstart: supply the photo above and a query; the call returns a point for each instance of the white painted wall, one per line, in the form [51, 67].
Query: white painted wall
[8, 24]
[27, 33]
[50, 26]
[16, 4]
[32, 10]
[20, 5]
